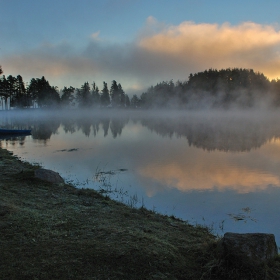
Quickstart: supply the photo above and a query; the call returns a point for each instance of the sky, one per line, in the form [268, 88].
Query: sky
[138, 43]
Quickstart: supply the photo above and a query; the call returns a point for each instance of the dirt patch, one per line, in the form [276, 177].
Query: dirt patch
[51, 231]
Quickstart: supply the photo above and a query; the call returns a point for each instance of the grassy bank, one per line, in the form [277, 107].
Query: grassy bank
[53, 231]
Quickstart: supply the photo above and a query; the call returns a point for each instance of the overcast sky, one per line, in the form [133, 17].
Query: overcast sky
[138, 43]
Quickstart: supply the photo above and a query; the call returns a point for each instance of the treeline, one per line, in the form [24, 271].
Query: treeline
[209, 89]
[214, 88]
[40, 93]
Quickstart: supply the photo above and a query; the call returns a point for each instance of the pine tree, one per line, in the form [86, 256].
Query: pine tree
[67, 96]
[105, 97]
[21, 99]
[95, 95]
[84, 96]
[114, 93]
[121, 95]
[44, 94]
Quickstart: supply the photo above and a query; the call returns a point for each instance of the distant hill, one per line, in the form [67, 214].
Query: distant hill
[213, 88]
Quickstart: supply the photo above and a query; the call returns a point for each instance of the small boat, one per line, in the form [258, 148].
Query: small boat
[5, 131]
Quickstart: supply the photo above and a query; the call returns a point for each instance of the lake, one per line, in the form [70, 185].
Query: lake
[214, 168]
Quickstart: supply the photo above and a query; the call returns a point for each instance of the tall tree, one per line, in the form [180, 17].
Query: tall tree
[114, 93]
[121, 94]
[95, 95]
[53, 98]
[42, 93]
[84, 96]
[11, 89]
[127, 101]
[67, 96]
[117, 95]
[135, 101]
[105, 97]
[21, 99]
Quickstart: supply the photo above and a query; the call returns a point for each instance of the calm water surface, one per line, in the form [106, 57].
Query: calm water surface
[213, 168]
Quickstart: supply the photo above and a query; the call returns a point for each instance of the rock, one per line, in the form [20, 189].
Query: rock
[248, 248]
[48, 175]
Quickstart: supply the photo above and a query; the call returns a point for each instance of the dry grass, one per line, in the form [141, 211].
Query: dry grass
[58, 232]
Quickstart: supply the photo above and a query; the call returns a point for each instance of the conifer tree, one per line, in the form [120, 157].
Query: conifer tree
[95, 95]
[105, 97]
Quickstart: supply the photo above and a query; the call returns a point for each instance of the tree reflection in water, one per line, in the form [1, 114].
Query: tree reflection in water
[216, 130]
[215, 164]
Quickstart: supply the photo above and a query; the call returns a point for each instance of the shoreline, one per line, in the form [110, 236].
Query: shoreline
[56, 231]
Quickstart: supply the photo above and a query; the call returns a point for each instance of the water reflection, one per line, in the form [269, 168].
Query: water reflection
[196, 170]
[162, 164]
[227, 131]
[190, 164]
[13, 139]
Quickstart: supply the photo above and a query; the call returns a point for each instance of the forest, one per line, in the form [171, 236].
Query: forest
[225, 88]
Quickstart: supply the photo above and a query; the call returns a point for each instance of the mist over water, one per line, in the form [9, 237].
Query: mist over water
[205, 166]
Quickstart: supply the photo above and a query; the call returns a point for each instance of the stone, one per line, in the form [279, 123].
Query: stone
[248, 248]
[48, 175]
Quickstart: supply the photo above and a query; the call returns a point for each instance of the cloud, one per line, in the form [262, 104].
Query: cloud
[60, 62]
[196, 47]
[158, 52]
[95, 35]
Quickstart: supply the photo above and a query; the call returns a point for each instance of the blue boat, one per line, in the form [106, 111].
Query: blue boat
[5, 131]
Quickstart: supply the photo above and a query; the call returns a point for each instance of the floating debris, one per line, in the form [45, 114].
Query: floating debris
[72, 150]
[110, 172]
[69, 150]
[243, 216]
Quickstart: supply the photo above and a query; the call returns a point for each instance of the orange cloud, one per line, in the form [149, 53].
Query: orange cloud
[225, 38]
[248, 45]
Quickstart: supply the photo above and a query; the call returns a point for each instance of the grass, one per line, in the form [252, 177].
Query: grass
[53, 231]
